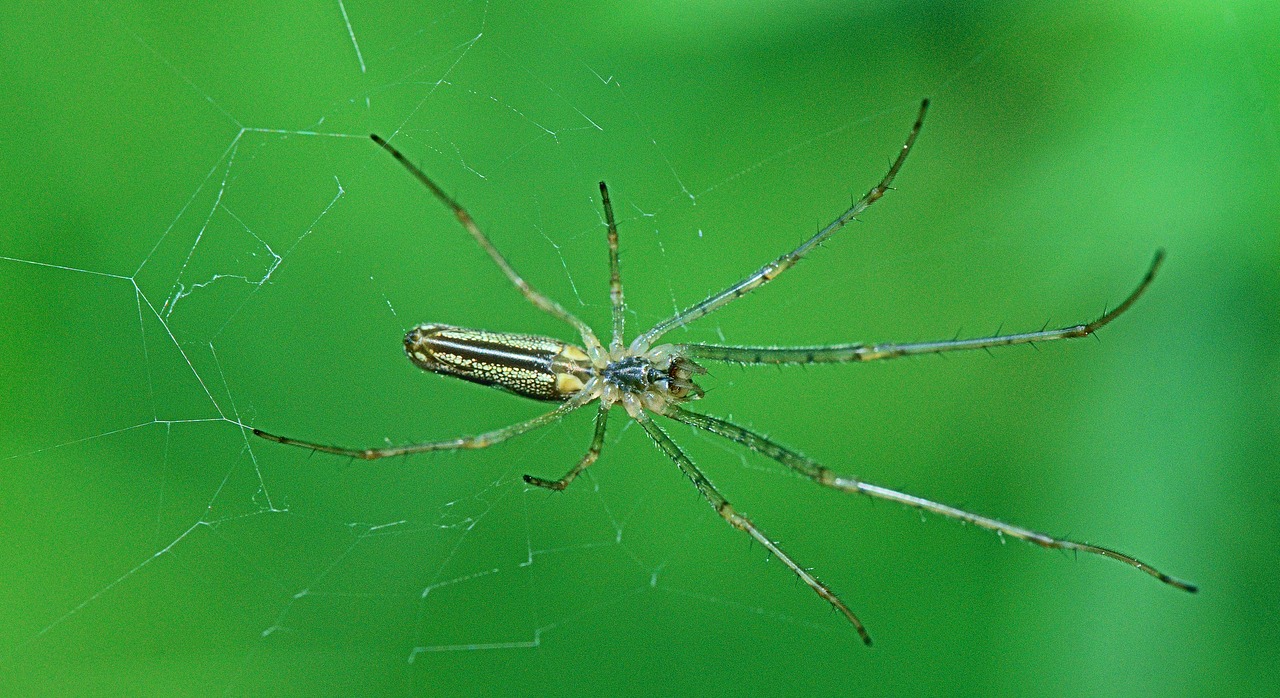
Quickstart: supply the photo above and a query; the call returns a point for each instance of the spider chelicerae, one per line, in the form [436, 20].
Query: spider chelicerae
[646, 377]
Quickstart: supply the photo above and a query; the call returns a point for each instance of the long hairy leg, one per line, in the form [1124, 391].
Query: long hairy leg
[742, 523]
[615, 273]
[536, 297]
[593, 452]
[773, 269]
[813, 470]
[484, 440]
[845, 353]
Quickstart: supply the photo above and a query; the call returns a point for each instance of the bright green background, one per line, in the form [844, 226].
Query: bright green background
[167, 156]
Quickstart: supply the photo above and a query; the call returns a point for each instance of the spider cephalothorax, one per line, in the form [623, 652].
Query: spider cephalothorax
[652, 380]
[656, 379]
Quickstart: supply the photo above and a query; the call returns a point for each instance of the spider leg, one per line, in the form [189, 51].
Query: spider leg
[615, 275]
[542, 302]
[484, 440]
[843, 353]
[593, 452]
[742, 523]
[775, 268]
[818, 473]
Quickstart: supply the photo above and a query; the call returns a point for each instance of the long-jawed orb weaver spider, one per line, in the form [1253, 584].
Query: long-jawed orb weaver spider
[644, 377]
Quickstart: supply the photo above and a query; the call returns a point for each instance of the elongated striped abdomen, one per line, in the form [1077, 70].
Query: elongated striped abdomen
[541, 368]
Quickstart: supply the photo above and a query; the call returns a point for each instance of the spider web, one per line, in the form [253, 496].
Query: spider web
[267, 279]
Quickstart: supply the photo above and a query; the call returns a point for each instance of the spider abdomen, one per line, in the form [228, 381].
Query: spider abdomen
[536, 367]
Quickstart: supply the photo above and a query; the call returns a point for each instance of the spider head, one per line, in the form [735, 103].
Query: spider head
[657, 377]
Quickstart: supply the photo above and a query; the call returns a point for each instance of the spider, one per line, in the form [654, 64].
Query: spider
[646, 377]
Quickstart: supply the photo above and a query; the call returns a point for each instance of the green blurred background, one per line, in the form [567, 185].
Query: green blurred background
[196, 233]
